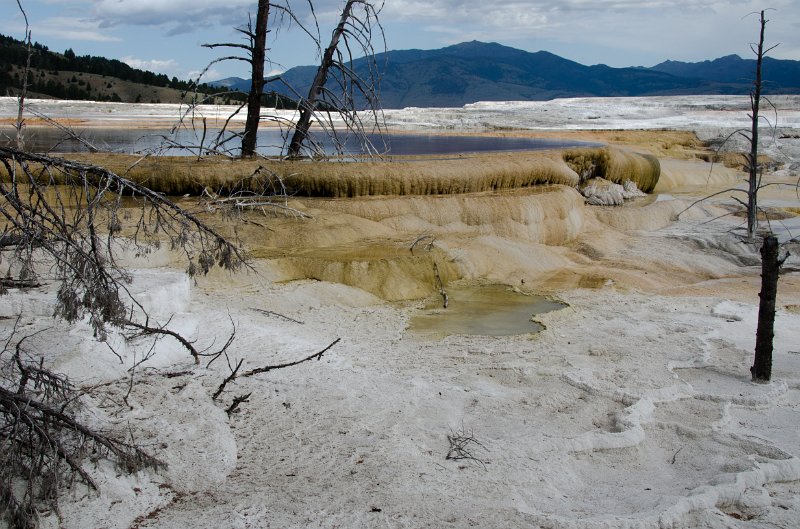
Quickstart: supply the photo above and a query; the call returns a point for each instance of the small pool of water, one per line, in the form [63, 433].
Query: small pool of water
[483, 310]
[272, 142]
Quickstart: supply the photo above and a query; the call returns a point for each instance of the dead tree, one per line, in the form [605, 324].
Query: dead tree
[751, 136]
[762, 368]
[770, 265]
[257, 53]
[337, 92]
[352, 90]
[753, 169]
[308, 105]
[18, 125]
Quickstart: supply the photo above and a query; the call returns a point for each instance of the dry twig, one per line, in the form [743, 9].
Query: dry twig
[278, 315]
[440, 286]
[265, 369]
[234, 407]
[463, 445]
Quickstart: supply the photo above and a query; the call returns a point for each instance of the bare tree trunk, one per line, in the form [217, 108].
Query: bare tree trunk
[257, 58]
[307, 106]
[755, 102]
[762, 367]
[24, 88]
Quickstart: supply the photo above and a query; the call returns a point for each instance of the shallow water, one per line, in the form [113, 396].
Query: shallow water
[272, 142]
[484, 310]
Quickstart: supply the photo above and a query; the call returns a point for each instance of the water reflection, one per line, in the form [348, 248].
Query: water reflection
[272, 142]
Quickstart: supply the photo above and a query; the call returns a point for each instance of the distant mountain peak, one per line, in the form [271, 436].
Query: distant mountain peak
[781, 76]
[229, 82]
[479, 45]
[732, 57]
[473, 71]
[483, 48]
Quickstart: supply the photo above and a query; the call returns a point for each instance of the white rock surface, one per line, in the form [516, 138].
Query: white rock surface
[634, 409]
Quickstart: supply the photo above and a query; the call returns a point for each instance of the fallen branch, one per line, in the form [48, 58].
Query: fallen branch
[71, 216]
[230, 378]
[421, 238]
[34, 413]
[440, 286]
[290, 364]
[254, 202]
[234, 407]
[70, 134]
[11, 240]
[270, 313]
[148, 330]
[10, 282]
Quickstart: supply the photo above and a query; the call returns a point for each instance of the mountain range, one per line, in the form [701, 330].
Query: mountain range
[477, 71]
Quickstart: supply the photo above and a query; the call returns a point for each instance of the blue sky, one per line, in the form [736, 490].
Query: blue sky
[166, 35]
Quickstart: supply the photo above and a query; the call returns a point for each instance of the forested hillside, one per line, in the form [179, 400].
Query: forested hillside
[70, 76]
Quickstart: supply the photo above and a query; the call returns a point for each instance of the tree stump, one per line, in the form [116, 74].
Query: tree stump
[762, 367]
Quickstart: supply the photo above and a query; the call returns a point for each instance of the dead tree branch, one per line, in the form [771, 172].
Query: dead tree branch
[148, 330]
[266, 369]
[429, 246]
[68, 132]
[462, 445]
[234, 407]
[70, 217]
[20, 123]
[42, 444]
[281, 316]
[263, 190]
[235, 374]
[440, 286]
[229, 378]
[10, 282]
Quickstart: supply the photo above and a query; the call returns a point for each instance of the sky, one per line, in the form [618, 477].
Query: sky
[166, 36]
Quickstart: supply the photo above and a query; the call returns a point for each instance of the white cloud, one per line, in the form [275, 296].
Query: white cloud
[532, 12]
[186, 14]
[167, 66]
[210, 74]
[73, 28]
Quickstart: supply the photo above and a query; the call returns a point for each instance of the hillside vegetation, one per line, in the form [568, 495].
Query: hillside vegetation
[69, 76]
